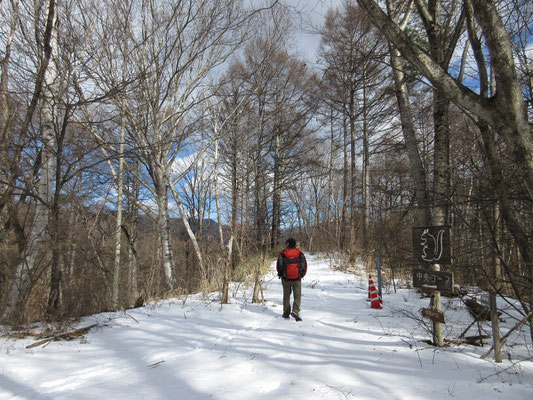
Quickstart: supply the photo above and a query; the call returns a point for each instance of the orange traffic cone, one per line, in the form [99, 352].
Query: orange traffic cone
[370, 285]
[373, 296]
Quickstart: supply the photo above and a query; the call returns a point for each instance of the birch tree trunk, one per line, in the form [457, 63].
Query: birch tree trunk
[118, 224]
[190, 232]
[163, 224]
[224, 298]
[227, 260]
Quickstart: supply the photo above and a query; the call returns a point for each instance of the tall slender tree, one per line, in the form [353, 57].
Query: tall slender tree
[36, 236]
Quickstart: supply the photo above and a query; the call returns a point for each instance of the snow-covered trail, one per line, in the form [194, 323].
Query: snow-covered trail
[199, 350]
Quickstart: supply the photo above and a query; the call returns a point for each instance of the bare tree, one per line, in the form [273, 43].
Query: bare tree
[353, 51]
[172, 51]
[504, 111]
[507, 110]
[37, 233]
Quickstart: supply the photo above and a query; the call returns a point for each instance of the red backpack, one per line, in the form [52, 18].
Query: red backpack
[293, 266]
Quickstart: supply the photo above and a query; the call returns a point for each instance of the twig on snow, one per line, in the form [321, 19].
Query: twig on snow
[504, 369]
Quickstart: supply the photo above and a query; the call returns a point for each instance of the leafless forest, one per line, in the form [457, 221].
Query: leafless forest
[159, 148]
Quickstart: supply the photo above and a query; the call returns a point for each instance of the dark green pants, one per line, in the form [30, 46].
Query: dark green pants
[289, 287]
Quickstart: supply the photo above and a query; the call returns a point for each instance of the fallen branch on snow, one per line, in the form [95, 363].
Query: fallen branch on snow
[502, 340]
[64, 336]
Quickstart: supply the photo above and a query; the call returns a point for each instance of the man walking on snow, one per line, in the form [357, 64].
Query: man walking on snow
[292, 267]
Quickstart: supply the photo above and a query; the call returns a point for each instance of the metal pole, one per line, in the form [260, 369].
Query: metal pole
[378, 260]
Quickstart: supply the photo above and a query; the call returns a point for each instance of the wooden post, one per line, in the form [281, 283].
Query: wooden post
[514, 328]
[437, 326]
[495, 328]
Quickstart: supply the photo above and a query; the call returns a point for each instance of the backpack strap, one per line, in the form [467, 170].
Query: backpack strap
[301, 264]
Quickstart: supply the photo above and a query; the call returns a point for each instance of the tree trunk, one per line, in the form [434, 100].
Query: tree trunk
[441, 159]
[260, 212]
[366, 167]
[56, 275]
[37, 234]
[133, 262]
[257, 278]
[235, 198]
[19, 291]
[416, 165]
[163, 227]
[276, 195]
[190, 232]
[330, 174]
[353, 175]
[224, 298]
[345, 181]
[5, 119]
[48, 38]
[118, 224]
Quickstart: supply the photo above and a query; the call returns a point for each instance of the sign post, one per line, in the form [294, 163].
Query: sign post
[495, 328]
[431, 247]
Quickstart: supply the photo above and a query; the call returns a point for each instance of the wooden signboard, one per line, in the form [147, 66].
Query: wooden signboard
[431, 244]
[433, 315]
[439, 280]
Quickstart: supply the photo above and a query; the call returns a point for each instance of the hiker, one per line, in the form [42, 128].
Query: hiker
[291, 267]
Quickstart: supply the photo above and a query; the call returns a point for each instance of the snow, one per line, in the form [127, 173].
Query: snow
[192, 348]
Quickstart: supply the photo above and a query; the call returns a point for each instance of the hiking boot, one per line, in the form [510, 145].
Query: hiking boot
[296, 316]
[286, 316]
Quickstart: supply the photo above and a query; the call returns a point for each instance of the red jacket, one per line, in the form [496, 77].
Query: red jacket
[291, 264]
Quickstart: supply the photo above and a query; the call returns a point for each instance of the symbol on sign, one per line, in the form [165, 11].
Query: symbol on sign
[432, 246]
